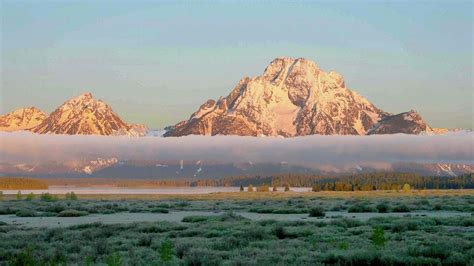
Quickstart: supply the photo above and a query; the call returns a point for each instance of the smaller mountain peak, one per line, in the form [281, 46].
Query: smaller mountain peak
[29, 109]
[21, 119]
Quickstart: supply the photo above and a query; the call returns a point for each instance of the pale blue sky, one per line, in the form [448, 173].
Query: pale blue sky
[156, 62]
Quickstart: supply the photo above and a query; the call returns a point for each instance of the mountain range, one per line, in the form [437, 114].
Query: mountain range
[293, 97]
[81, 115]
[115, 168]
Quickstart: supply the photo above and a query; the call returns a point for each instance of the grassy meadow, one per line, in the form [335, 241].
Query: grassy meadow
[227, 238]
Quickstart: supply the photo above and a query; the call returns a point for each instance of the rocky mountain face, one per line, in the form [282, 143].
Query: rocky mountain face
[84, 115]
[22, 119]
[293, 97]
[408, 123]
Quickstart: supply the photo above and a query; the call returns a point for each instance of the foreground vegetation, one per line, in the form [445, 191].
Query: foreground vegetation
[230, 239]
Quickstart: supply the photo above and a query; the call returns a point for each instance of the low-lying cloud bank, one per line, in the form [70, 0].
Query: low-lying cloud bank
[25, 147]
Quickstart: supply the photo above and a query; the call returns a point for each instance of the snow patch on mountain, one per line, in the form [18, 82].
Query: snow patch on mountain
[98, 164]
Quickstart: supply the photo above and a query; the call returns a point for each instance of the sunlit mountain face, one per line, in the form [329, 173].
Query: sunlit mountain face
[294, 97]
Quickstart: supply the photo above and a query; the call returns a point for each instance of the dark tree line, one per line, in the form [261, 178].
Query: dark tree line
[356, 182]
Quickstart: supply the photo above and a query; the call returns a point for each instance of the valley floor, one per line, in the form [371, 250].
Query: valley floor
[242, 228]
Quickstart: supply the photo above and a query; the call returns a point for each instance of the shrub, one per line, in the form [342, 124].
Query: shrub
[71, 196]
[382, 207]
[346, 223]
[230, 216]
[18, 195]
[7, 210]
[182, 204]
[26, 213]
[287, 188]
[30, 197]
[261, 210]
[411, 225]
[456, 258]
[144, 240]
[160, 210]
[181, 249]
[378, 237]
[241, 188]
[24, 258]
[343, 246]
[401, 208]
[48, 197]
[114, 259]
[166, 250]
[202, 256]
[194, 219]
[72, 213]
[279, 232]
[317, 212]
[361, 208]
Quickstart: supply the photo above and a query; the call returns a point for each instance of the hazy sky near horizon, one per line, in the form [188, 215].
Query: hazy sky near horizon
[155, 63]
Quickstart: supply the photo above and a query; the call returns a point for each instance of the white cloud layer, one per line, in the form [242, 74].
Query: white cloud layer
[25, 147]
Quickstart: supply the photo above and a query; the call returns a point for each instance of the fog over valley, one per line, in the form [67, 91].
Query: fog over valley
[309, 151]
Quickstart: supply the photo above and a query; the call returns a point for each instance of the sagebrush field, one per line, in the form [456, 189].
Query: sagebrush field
[416, 228]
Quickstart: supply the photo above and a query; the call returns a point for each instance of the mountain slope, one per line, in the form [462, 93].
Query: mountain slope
[22, 119]
[293, 97]
[408, 123]
[84, 115]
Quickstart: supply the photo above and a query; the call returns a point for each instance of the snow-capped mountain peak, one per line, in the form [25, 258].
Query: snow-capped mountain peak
[85, 115]
[292, 97]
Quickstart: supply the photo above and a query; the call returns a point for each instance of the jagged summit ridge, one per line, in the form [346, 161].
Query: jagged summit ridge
[84, 115]
[293, 97]
[22, 119]
[409, 122]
